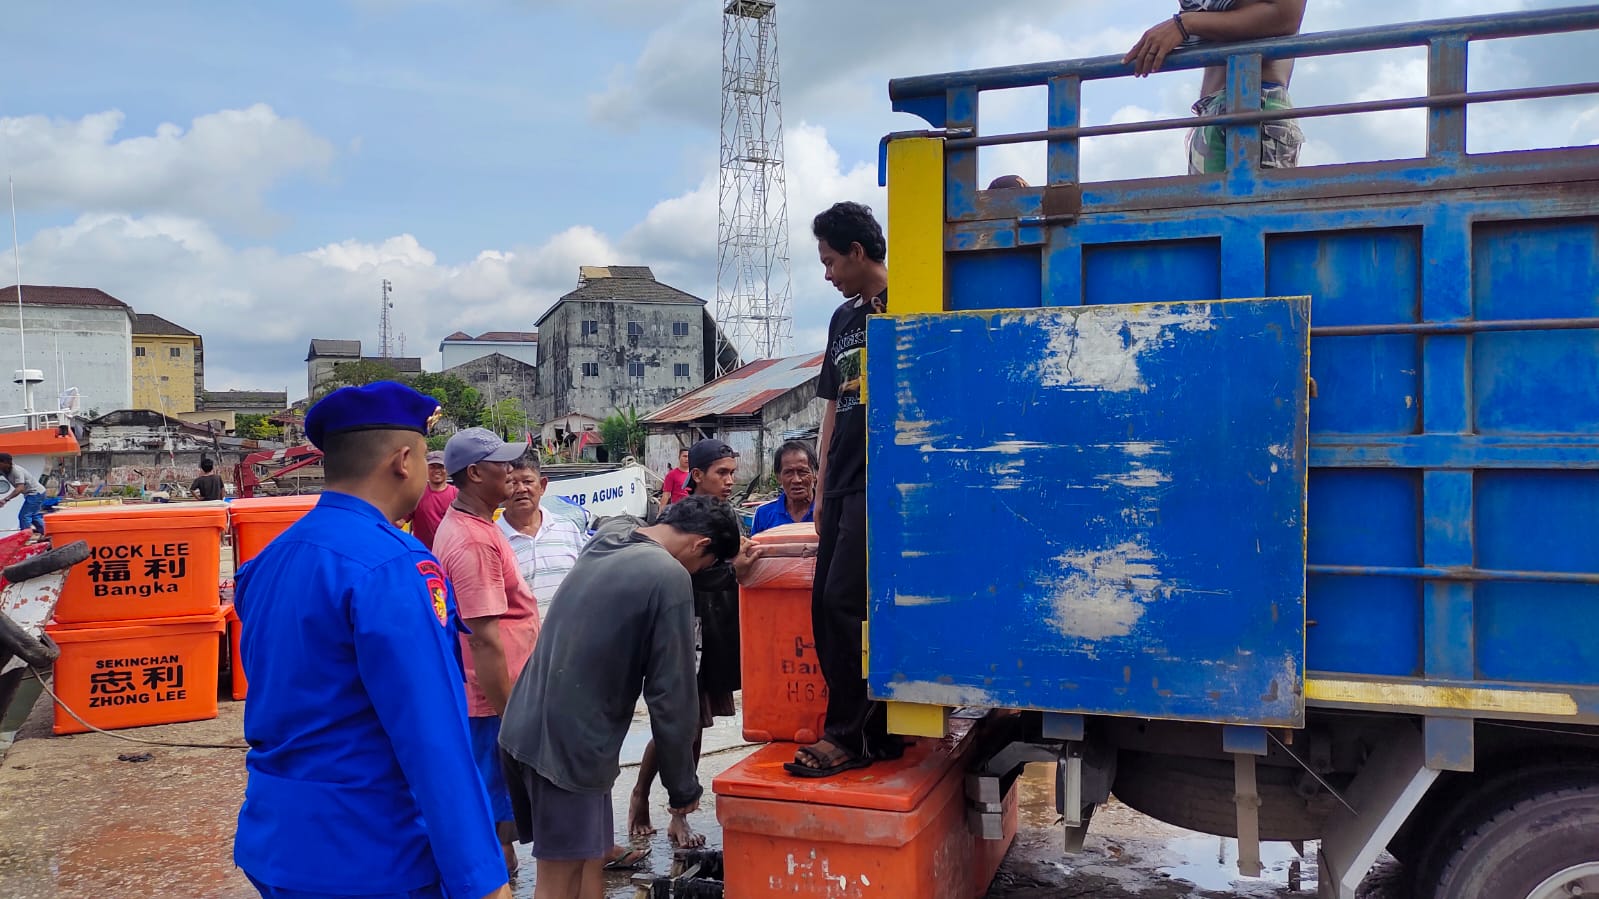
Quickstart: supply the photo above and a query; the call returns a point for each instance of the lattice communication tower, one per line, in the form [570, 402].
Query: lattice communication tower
[752, 267]
[386, 325]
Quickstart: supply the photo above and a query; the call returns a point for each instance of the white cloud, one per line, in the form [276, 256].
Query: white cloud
[218, 168]
[258, 308]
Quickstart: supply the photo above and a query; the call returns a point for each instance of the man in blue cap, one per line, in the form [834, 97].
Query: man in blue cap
[361, 774]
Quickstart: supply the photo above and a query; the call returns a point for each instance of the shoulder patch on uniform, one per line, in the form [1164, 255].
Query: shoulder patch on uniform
[434, 576]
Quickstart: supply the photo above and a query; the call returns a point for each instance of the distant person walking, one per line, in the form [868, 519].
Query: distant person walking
[208, 486]
[20, 482]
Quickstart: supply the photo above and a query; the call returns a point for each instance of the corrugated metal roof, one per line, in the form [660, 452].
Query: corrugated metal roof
[744, 392]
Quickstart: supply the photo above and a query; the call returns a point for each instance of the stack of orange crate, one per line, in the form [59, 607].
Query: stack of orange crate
[896, 828]
[253, 523]
[138, 623]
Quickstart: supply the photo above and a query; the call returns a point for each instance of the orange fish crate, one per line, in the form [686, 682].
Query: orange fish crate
[257, 521]
[149, 561]
[134, 674]
[785, 696]
[893, 830]
[238, 684]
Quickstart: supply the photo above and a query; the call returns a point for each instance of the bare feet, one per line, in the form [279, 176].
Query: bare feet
[682, 835]
[638, 817]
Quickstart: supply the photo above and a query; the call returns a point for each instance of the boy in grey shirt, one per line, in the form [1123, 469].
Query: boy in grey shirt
[621, 624]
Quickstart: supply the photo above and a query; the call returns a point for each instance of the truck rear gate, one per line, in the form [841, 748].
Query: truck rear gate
[1449, 581]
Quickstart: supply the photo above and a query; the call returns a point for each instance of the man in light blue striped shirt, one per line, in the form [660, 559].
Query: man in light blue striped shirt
[546, 544]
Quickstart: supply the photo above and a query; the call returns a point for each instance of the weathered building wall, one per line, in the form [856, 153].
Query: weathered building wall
[459, 352]
[672, 364]
[87, 348]
[497, 377]
[164, 372]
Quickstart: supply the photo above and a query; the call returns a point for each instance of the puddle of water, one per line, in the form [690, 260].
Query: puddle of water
[1211, 863]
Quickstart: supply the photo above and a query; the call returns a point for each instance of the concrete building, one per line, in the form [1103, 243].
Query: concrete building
[751, 409]
[326, 355]
[497, 377]
[621, 339]
[223, 407]
[145, 449]
[79, 337]
[460, 348]
[168, 367]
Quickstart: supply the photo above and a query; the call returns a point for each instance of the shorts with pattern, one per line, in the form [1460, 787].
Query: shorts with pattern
[1279, 141]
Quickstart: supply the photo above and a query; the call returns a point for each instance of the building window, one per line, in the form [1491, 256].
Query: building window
[591, 327]
[635, 329]
[635, 370]
[138, 351]
[679, 329]
[591, 369]
[175, 352]
[680, 370]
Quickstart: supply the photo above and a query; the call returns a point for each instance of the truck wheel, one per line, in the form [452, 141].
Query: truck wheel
[46, 562]
[1445, 827]
[1544, 847]
[40, 652]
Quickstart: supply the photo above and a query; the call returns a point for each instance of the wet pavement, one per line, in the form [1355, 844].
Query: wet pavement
[79, 824]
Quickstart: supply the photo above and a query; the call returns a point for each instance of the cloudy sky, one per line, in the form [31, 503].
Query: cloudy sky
[254, 176]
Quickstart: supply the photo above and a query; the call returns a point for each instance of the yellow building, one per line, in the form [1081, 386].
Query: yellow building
[168, 366]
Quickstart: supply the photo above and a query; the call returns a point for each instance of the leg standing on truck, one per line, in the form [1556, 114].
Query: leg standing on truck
[852, 250]
[1229, 20]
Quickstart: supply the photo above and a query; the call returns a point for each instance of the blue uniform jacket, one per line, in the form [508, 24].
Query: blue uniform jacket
[361, 779]
[775, 513]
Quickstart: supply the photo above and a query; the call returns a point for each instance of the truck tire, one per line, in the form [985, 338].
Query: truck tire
[1539, 848]
[47, 562]
[39, 652]
[1443, 829]
[1198, 794]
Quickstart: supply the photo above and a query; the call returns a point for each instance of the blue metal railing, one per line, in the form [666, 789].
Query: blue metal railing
[949, 101]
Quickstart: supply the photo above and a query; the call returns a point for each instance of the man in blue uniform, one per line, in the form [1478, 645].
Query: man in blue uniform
[361, 778]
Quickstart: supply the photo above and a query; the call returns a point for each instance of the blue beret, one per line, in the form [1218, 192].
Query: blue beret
[379, 406]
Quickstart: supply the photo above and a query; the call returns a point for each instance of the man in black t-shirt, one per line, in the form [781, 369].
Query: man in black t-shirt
[853, 253]
[207, 486]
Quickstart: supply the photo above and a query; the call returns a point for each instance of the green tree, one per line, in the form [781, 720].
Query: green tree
[357, 373]
[508, 419]
[461, 402]
[255, 426]
[624, 433]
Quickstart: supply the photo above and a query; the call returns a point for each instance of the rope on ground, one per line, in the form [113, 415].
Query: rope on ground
[723, 750]
[131, 739]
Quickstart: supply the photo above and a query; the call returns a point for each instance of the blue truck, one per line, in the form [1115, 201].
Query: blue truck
[1269, 497]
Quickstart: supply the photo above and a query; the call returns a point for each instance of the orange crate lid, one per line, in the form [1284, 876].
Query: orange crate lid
[897, 786]
[798, 532]
[301, 503]
[151, 515]
[94, 631]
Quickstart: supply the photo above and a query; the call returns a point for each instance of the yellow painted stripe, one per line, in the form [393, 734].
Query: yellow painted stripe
[1423, 696]
[916, 225]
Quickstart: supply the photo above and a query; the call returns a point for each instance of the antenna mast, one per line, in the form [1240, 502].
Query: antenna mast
[385, 326]
[752, 265]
